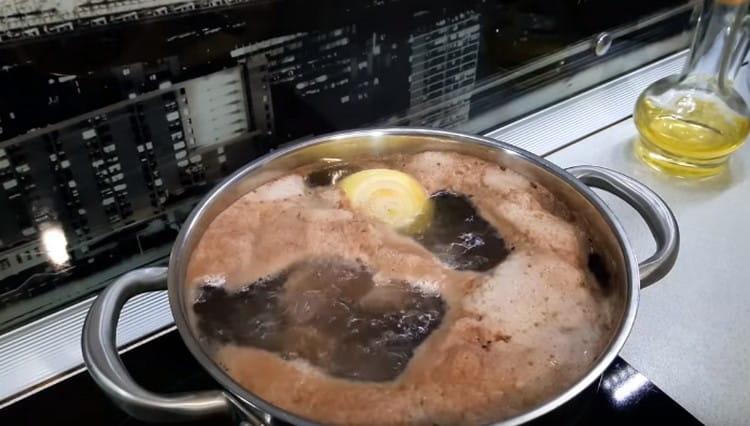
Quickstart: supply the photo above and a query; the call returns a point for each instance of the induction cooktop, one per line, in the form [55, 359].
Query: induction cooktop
[621, 396]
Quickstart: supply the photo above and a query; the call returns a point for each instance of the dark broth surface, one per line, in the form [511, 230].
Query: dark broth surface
[460, 237]
[328, 312]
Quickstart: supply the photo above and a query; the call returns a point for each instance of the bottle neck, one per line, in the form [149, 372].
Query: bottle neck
[716, 36]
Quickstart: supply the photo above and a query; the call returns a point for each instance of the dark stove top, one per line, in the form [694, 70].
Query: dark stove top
[622, 396]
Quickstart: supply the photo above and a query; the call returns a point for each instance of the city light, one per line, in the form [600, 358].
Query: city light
[55, 245]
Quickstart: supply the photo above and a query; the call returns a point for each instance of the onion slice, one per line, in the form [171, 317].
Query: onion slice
[390, 196]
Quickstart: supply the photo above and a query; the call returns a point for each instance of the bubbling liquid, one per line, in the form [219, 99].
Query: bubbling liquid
[500, 303]
[327, 312]
[460, 237]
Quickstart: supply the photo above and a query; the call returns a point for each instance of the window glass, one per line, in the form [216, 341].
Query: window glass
[116, 116]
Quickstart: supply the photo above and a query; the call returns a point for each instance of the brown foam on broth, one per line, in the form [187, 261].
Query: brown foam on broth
[509, 336]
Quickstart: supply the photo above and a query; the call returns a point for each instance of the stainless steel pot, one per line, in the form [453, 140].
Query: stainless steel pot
[572, 186]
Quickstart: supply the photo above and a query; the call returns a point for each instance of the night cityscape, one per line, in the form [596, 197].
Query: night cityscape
[117, 116]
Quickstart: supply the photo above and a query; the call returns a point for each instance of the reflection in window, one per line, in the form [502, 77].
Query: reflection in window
[118, 130]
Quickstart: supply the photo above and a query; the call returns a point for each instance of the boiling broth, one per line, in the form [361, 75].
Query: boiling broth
[500, 303]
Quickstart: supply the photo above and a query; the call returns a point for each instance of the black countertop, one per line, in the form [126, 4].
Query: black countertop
[622, 396]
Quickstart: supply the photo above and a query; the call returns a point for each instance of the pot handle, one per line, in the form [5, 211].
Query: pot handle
[106, 368]
[650, 206]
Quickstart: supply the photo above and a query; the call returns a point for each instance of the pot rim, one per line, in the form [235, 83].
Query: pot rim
[607, 356]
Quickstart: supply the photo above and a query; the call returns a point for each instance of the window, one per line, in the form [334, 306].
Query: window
[450, 63]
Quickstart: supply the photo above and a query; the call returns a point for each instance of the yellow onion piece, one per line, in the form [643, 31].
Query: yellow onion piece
[390, 196]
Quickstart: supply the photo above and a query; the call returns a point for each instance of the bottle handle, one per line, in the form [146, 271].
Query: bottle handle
[742, 28]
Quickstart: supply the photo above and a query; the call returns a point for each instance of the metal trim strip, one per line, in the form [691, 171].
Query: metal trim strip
[579, 116]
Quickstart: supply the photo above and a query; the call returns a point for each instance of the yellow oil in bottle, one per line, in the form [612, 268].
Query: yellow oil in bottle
[688, 134]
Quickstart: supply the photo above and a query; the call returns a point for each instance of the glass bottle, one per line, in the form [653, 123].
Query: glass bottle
[690, 123]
